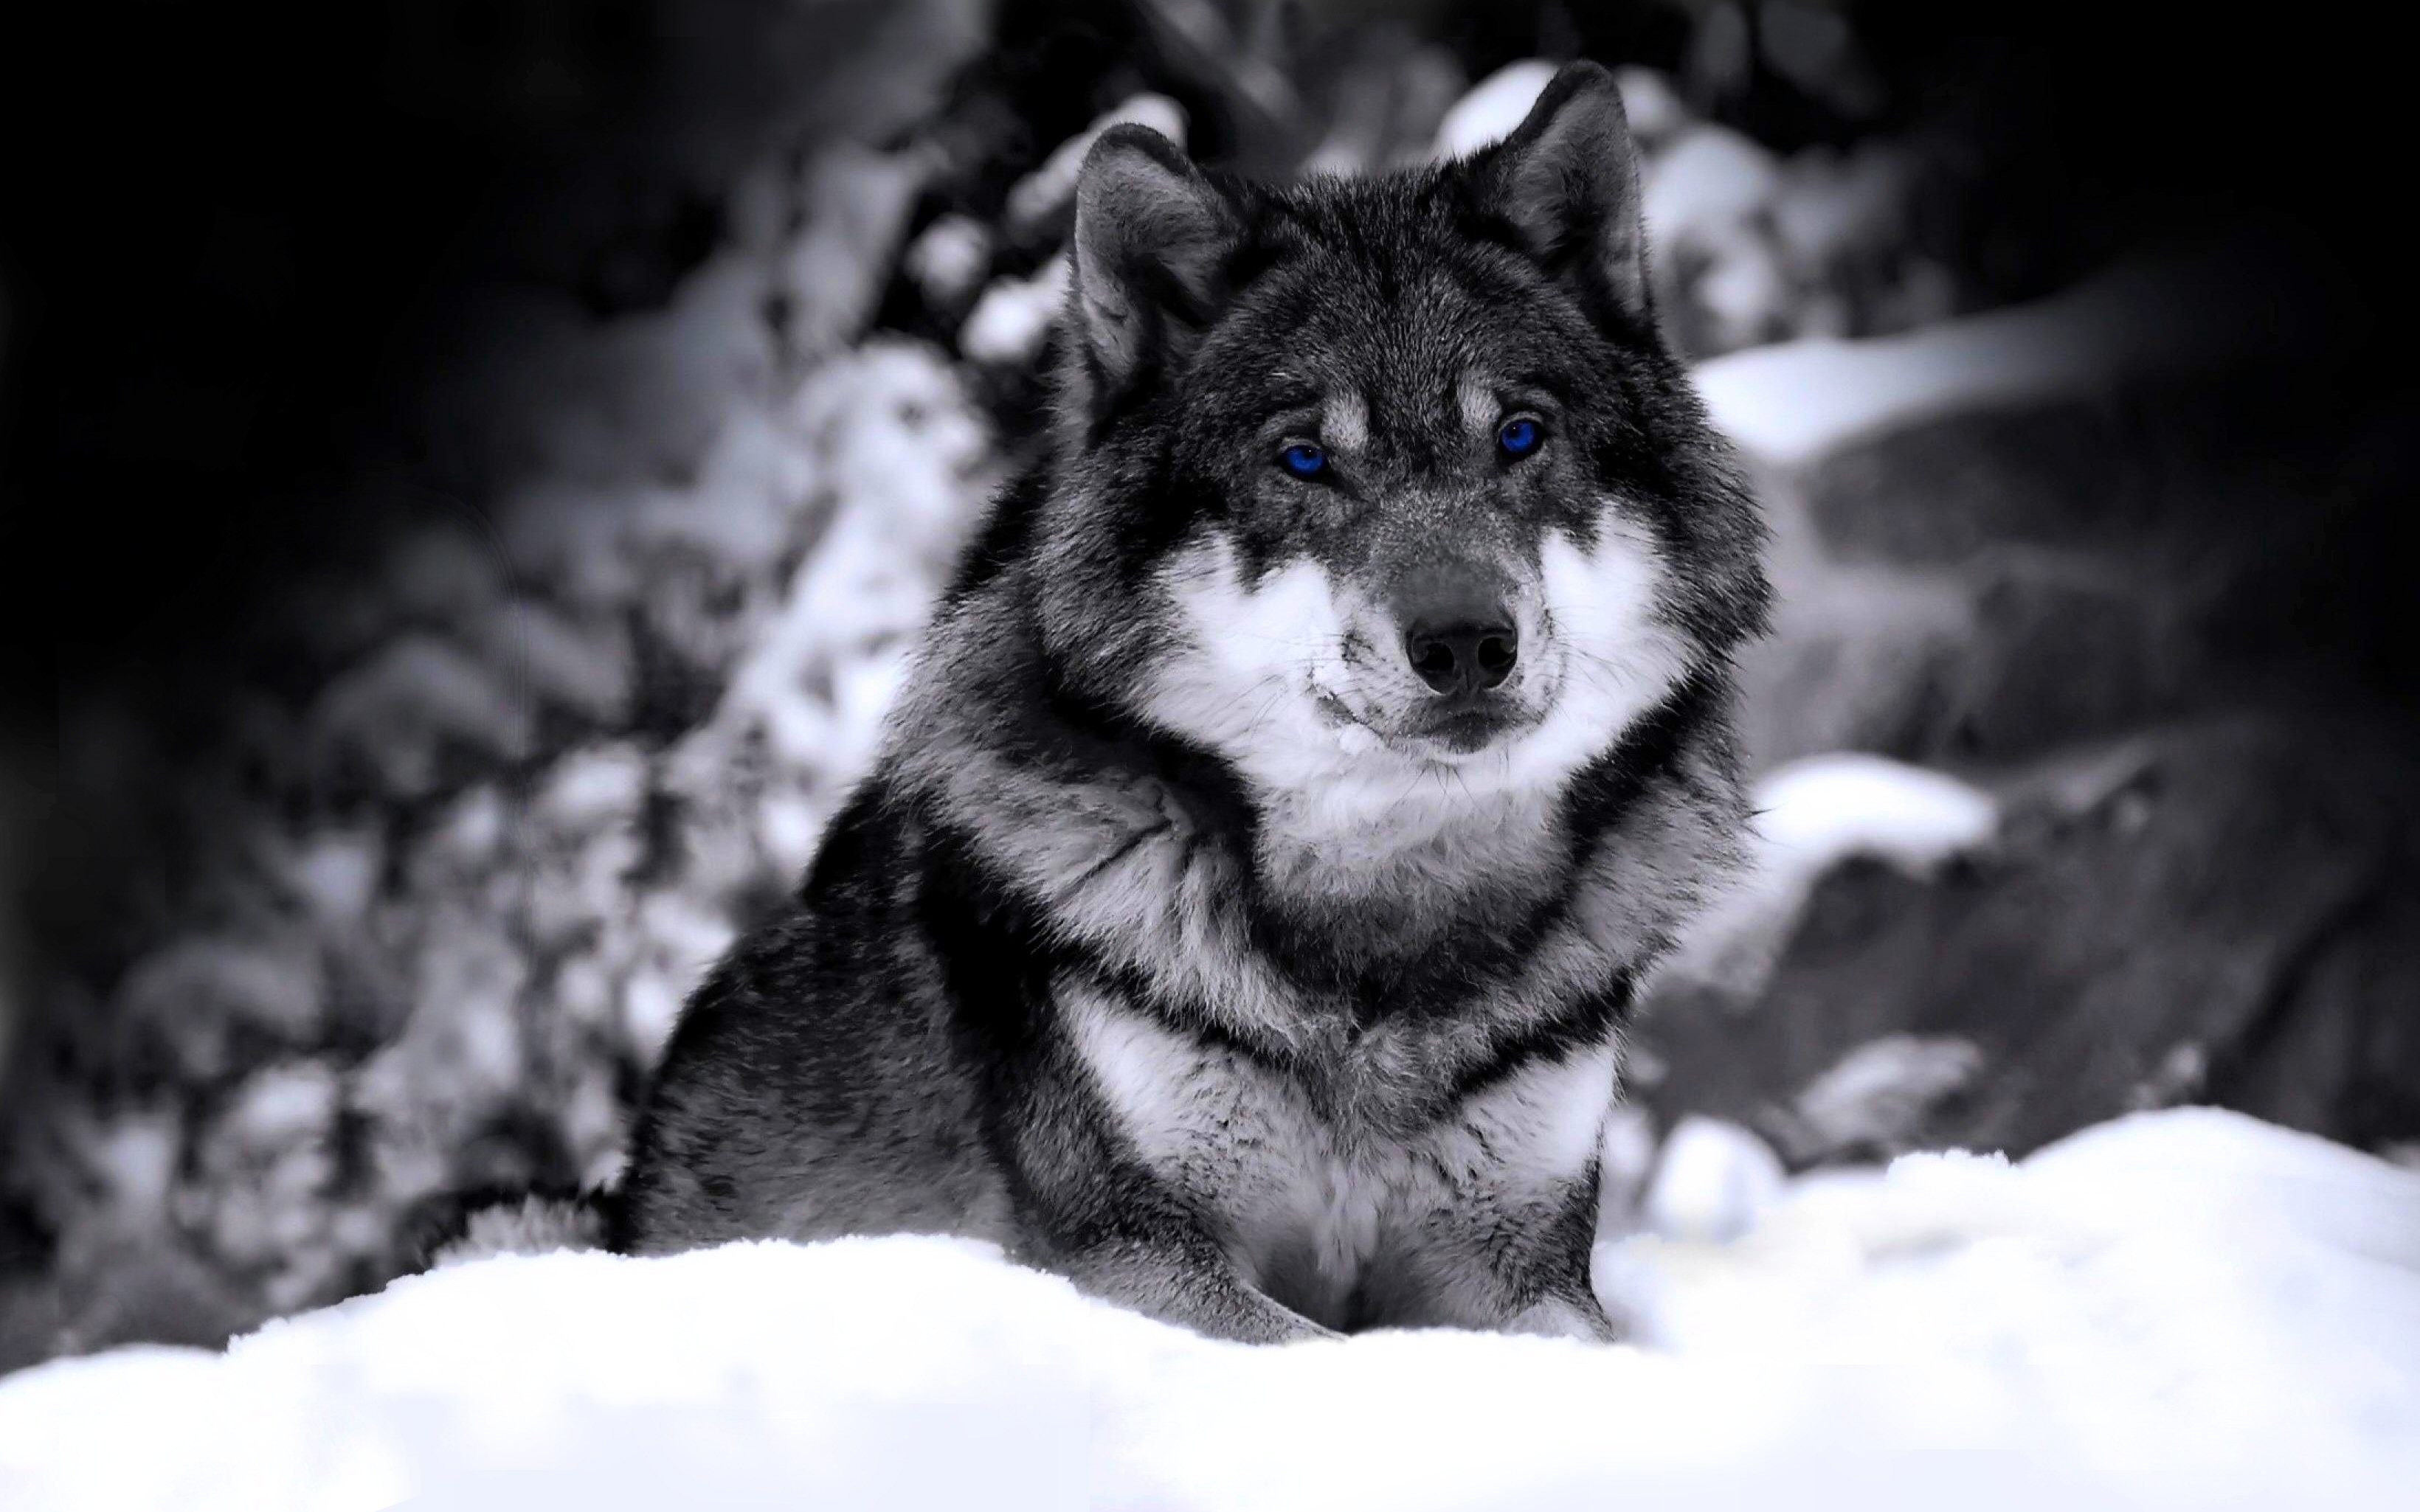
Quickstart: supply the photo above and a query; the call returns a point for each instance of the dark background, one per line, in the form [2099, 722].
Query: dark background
[236, 232]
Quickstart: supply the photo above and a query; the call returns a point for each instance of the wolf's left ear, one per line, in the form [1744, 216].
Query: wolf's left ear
[1568, 182]
[1152, 237]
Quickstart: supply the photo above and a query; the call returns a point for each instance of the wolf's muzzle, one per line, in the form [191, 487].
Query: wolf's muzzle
[1462, 657]
[1458, 631]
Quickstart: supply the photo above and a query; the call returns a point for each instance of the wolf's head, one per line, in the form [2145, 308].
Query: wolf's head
[1367, 482]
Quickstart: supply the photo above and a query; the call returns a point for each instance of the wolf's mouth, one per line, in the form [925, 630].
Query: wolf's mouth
[1448, 726]
[1464, 729]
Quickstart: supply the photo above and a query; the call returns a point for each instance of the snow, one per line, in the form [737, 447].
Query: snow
[1811, 815]
[1493, 109]
[1819, 810]
[1712, 1181]
[1792, 402]
[1009, 325]
[948, 260]
[1703, 188]
[2181, 1309]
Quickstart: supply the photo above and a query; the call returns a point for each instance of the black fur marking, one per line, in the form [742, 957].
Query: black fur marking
[1605, 788]
[1582, 1024]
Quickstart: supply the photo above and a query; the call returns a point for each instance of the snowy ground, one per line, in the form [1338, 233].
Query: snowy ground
[2185, 1309]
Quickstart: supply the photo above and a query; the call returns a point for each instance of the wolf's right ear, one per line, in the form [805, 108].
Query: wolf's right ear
[1151, 238]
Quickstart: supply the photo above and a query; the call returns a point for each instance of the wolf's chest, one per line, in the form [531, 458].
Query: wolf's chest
[1347, 1224]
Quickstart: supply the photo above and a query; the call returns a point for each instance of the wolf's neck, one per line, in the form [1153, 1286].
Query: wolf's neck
[1136, 837]
[1414, 843]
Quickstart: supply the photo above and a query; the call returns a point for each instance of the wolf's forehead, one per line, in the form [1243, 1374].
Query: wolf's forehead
[1353, 415]
[1419, 364]
[1406, 325]
[1412, 311]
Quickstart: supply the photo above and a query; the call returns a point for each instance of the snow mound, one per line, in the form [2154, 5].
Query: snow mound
[2180, 1309]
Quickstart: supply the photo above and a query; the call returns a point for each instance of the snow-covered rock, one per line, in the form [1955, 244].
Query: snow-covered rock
[831, 273]
[1790, 403]
[2178, 1310]
[1878, 1097]
[1829, 211]
[1811, 815]
[1814, 812]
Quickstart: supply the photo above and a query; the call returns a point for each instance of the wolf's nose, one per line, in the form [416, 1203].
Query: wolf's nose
[1463, 657]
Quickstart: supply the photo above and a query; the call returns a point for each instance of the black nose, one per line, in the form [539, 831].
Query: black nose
[1465, 655]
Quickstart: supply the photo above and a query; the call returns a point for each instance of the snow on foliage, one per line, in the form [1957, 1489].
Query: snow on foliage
[1047, 195]
[2186, 1309]
[1012, 319]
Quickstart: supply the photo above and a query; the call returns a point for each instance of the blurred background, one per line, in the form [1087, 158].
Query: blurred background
[473, 472]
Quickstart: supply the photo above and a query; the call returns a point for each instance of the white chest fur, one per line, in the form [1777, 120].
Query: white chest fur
[1344, 1226]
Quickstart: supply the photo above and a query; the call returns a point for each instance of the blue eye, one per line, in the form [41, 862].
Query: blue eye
[1304, 460]
[1519, 436]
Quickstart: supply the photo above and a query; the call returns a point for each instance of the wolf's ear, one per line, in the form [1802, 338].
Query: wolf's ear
[1152, 236]
[1568, 182]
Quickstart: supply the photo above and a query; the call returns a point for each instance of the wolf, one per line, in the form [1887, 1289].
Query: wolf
[1305, 764]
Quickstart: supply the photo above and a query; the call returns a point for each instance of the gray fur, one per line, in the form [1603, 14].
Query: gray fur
[532, 1226]
[1183, 939]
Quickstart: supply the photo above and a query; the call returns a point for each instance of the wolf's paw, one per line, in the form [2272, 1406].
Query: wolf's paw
[1561, 1317]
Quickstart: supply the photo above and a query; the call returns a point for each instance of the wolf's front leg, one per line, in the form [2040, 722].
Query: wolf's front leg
[1521, 1268]
[1548, 1283]
[1566, 1315]
[1545, 1290]
[1186, 1280]
[1121, 1154]
[1122, 1232]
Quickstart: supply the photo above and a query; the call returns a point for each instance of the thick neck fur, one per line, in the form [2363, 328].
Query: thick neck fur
[1238, 902]
[1357, 865]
